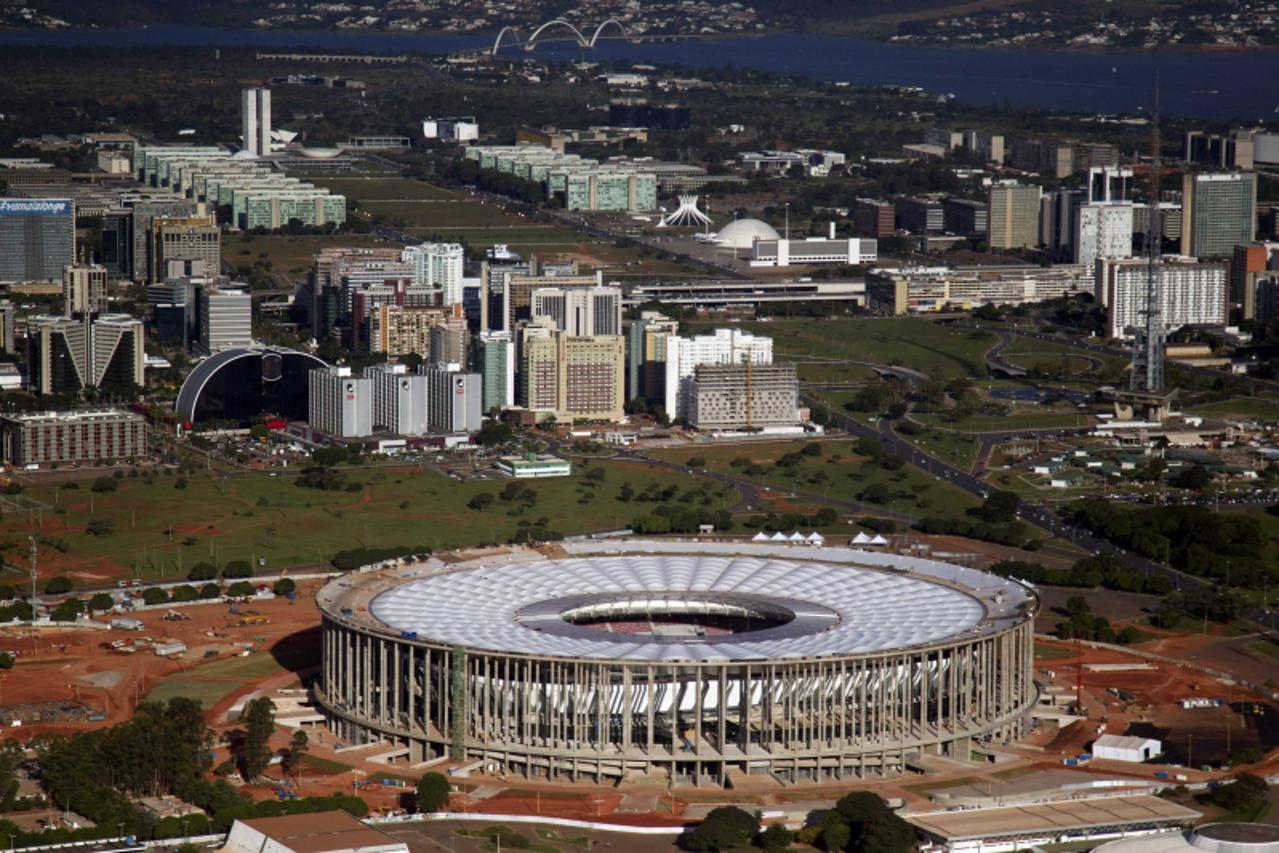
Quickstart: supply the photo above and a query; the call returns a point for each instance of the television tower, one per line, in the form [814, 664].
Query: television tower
[1148, 344]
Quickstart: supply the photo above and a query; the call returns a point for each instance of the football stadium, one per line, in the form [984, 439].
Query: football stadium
[690, 660]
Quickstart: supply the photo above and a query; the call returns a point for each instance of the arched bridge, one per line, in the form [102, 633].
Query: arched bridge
[557, 30]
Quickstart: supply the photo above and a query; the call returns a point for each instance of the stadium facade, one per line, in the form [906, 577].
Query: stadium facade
[699, 660]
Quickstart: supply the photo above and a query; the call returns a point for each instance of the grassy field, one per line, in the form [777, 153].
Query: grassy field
[291, 256]
[1023, 417]
[1240, 407]
[953, 448]
[269, 517]
[839, 473]
[386, 187]
[909, 342]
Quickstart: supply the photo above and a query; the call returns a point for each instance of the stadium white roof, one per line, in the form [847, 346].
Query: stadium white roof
[843, 602]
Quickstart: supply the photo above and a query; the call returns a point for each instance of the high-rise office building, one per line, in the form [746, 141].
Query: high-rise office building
[37, 238]
[84, 289]
[517, 297]
[1190, 293]
[494, 359]
[397, 330]
[66, 354]
[580, 310]
[1250, 264]
[8, 321]
[1219, 212]
[743, 397]
[921, 215]
[340, 404]
[571, 378]
[723, 346]
[449, 342]
[1102, 226]
[454, 400]
[399, 399]
[1014, 217]
[255, 121]
[224, 317]
[438, 265]
[966, 217]
[646, 355]
[1046, 158]
[187, 246]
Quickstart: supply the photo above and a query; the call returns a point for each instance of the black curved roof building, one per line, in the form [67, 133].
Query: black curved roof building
[244, 384]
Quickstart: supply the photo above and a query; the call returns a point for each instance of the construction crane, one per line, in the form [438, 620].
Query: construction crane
[1148, 344]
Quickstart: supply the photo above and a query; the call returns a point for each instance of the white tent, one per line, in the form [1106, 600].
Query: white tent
[780, 537]
[878, 540]
[861, 539]
[760, 537]
[798, 537]
[816, 538]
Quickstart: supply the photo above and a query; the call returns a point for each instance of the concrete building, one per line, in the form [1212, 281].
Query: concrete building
[339, 404]
[1121, 748]
[580, 310]
[255, 121]
[895, 292]
[517, 292]
[1249, 263]
[1014, 217]
[438, 265]
[189, 246]
[533, 467]
[67, 354]
[399, 399]
[735, 397]
[493, 358]
[571, 378]
[965, 217]
[575, 182]
[37, 239]
[322, 832]
[1219, 212]
[86, 435]
[450, 342]
[8, 322]
[921, 215]
[814, 251]
[84, 289]
[1056, 159]
[1233, 150]
[1102, 224]
[722, 346]
[397, 330]
[646, 339]
[224, 318]
[1190, 294]
[454, 400]
[451, 129]
[874, 217]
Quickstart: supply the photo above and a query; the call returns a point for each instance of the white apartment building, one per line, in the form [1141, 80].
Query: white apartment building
[1102, 230]
[581, 311]
[438, 265]
[723, 346]
[454, 400]
[399, 399]
[340, 404]
[1189, 294]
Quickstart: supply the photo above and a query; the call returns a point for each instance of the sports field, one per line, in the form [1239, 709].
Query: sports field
[161, 531]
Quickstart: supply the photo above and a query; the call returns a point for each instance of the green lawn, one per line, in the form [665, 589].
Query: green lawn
[292, 256]
[1022, 417]
[1045, 652]
[913, 491]
[1267, 647]
[207, 693]
[393, 187]
[953, 448]
[260, 516]
[1240, 407]
[906, 341]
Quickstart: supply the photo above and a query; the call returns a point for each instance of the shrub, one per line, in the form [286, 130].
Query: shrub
[58, 586]
[284, 586]
[237, 569]
[155, 595]
[101, 601]
[104, 484]
[240, 588]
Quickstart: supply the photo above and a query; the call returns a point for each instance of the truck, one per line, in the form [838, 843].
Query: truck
[127, 623]
[167, 650]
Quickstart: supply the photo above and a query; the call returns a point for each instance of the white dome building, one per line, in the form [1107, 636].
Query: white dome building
[742, 234]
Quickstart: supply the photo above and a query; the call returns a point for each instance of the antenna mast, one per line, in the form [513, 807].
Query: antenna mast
[1148, 344]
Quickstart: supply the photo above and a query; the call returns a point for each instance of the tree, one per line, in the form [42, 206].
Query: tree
[237, 569]
[100, 527]
[1195, 478]
[154, 595]
[724, 828]
[101, 601]
[775, 837]
[327, 457]
[284, 586]
[432, 793]
[1000, 507]
[493, 433]
[6, 660]
[291, 762]
[482, 501]
[874, 827]
[59, 585]
[104, 484]
[836, 837]
[255, 750]
[240, 588]
[202, 571]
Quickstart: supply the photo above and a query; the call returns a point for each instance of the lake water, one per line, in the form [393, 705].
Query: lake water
[1203, 84]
